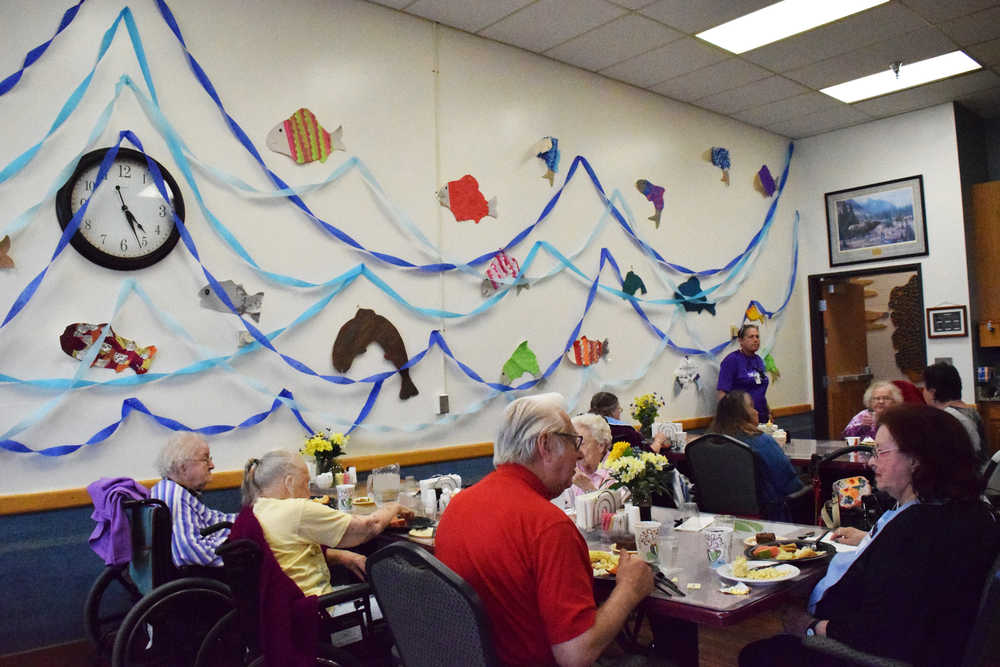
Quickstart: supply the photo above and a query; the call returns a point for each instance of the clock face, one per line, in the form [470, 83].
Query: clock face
[127, 224]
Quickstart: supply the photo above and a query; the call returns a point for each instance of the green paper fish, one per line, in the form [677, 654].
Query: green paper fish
[771, 366]
[522, 361]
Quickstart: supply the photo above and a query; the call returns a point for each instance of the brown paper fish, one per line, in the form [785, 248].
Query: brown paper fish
[367, 327]
[5, 261]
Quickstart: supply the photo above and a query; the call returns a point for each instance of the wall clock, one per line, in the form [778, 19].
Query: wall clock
[127, 225]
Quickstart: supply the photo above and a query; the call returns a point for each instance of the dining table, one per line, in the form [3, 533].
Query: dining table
[800, 452]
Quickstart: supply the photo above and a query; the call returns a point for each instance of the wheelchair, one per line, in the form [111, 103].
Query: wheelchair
[149, 612]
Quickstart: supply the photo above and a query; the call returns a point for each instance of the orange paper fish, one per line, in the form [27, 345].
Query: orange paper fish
[586, 352]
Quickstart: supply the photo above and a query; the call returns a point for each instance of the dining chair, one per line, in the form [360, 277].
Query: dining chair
[724, 472]
[435, 617]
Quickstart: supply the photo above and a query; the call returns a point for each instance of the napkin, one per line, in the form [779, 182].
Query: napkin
[585, 505]
[695, 523]
[837, 545]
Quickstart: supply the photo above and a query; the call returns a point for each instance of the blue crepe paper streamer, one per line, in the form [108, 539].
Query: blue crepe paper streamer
[34, 54]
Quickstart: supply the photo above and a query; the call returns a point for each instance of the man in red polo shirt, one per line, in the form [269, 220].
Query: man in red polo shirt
[523, 555]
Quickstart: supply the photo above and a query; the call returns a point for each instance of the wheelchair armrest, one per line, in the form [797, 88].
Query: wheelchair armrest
[832, 647]
[798, 494]
[215, 527]
[345, 594]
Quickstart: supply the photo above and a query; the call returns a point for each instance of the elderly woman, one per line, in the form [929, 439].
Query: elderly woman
[590, 475]
[276, 486]
[940, 536]
[879, 396]
[943, 390]
[736, 416]
[605, 404]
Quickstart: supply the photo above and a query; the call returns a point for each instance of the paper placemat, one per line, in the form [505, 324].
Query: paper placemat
[695, 523]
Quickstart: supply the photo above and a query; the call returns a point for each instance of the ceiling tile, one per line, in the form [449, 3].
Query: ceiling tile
[853, 32]
[464, 15]
[614, 42]
[730, 73]
[751, 95]
[985, 103]
[680, 57]
[936, 11]
[974, 28]
[546, 23]
[987, 53]
[817, 123]
[800, 105]
[699, 15]
[914, 46]
[930, 94]
[633, 4]
[395, 4]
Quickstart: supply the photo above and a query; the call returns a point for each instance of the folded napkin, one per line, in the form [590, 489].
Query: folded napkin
[695, 523]
[585, 515]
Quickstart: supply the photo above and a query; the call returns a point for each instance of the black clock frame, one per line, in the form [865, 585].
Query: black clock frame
[64, 212]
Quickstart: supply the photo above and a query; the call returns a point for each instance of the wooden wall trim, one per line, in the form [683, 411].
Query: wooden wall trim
[229, 479]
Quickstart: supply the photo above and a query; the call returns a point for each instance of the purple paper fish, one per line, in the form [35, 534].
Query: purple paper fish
[653, 193]
[766, 181]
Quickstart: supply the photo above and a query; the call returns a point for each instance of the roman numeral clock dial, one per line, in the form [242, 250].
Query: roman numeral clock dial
[127, 225]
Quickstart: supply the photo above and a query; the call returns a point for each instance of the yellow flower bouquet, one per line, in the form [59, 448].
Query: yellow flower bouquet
[645, 408]
[325, 448]
[642, 473]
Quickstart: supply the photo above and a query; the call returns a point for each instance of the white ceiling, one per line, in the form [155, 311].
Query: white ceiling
[650, 44]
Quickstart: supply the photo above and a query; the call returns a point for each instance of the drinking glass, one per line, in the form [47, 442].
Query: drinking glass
[385, 484]
[666, 547]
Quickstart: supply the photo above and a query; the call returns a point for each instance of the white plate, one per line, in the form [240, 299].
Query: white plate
[752, 540]
[789, 572]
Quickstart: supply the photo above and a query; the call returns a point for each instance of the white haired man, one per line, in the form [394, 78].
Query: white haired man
[523, 555]
[185, 464]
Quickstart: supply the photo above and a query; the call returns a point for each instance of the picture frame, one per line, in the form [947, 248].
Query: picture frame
[947, 322]
[877, 222]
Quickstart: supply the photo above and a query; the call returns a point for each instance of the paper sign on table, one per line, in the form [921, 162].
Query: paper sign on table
[695, 523]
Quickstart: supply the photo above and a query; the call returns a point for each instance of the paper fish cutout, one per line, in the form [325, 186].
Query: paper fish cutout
[465, 201]
[771, 366]
[690, 288]
[632, 284]
[720, 158]
[366, 327]
[586, 352]
[547, 150]
[522, 361]
[245, 303]
[653, 193]
[5, 261]
[502, 266]
[764, 182]
[116, 352]
[303, 139]
[686, 372]
[753, 313]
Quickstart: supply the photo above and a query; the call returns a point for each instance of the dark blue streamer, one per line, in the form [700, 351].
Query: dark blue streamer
[11, 80]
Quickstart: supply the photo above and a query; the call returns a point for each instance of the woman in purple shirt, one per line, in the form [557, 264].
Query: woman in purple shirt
[743, 369]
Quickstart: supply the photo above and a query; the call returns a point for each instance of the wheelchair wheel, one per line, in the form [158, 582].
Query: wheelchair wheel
[108, 601]
[166, 626]
[326, 656]
[222, 646]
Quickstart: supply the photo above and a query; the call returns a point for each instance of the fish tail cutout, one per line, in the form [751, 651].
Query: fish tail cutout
[255, 317]
[550, 176]
[521, 286]
[710, 307]
[406, 387]
[725, 176]
[337, 140]
[492, 208]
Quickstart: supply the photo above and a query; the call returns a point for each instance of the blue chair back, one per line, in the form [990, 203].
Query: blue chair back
[152, 564]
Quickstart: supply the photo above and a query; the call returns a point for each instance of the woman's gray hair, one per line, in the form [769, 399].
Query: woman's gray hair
[897, 395]
[260, 473]
[523, 421]
[178, 450]
[598, 427]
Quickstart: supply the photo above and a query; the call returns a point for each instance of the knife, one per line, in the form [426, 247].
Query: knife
[820, 538]
[658, 576]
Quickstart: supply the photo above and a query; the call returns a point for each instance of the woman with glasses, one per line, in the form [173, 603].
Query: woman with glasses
[606, 405]
[879, 396]
[910, 591]
[590, 474]
[736, 416]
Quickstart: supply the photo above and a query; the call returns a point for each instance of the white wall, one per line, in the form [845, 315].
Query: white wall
[372, 70]
[922, 142]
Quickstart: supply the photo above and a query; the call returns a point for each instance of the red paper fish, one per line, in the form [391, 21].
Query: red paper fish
[116, 352]
[586, 352]
[502, 266]
[465, 201]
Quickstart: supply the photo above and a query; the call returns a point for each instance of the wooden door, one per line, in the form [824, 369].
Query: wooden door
[846, 352]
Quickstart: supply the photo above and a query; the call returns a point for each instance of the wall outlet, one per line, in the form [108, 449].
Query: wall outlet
[734, 331]
[442, 406]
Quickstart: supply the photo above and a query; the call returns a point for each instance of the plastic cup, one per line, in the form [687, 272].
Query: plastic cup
[689, 511]
[647, 534]
[718, 542]
[666, 547]
[345, 492]
[852, 440]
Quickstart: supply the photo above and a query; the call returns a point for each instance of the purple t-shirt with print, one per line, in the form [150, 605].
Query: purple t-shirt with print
[738, 371]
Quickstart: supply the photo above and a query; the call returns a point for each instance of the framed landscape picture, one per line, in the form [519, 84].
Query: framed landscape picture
[947, 322]
[876, 222]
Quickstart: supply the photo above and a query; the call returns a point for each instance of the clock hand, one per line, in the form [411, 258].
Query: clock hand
[129, 217]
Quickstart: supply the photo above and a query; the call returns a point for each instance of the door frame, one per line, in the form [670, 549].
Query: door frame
[817, 338]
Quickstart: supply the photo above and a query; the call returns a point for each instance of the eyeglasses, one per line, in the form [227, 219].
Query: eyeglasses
[204, 459]
[577, 439]
[883, 399]
[876, 453]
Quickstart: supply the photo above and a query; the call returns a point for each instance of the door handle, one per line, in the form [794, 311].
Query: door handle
[853, 378]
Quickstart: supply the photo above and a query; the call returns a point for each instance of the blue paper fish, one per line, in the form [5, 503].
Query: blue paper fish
[548, 152]
[765, 182]
[690, 288]
[633, 283]
[720, 158]
[654, 193]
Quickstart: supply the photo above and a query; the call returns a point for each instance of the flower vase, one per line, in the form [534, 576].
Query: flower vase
[311, 466]
[645, 511]
[646, 430]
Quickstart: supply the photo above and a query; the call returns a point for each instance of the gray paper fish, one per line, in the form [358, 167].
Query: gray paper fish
[245, 303]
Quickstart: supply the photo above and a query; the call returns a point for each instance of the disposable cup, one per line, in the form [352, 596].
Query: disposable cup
[852, 440]
[345, 492]
[666, 548]
[718, 542]
[646, 535]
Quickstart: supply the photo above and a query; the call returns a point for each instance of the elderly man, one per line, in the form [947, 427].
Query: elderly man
[185, 465]
[744, 369]
[522, 554]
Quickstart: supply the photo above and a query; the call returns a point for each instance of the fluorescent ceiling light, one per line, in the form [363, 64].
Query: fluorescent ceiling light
[780, 20]
[915, 74]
